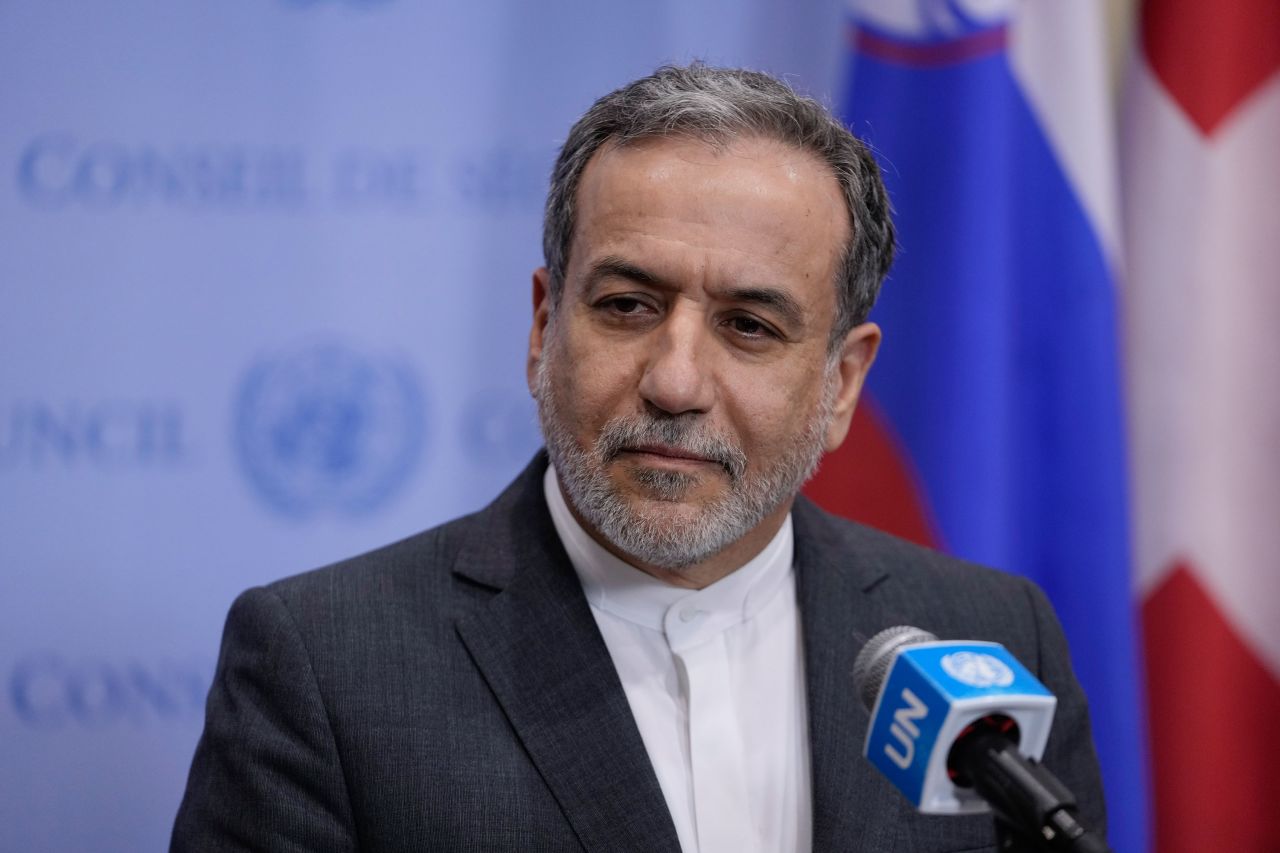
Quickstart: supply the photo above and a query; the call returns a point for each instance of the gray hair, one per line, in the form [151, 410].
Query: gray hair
[715, 105]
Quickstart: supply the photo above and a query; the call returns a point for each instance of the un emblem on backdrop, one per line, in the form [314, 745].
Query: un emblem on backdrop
[324, 427]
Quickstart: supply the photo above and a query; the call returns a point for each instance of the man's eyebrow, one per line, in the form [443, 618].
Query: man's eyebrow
[612, 266]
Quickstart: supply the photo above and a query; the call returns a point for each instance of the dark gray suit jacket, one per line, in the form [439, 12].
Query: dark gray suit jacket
[452, 692]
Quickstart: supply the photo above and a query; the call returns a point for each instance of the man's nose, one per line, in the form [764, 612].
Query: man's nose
[677, 377]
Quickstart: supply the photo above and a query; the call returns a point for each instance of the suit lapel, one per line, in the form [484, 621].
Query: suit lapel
[539, 649]
[853, 808]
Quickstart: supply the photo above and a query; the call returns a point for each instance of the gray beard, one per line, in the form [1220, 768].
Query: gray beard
[672, 539]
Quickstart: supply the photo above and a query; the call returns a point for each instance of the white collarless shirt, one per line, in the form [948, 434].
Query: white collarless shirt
[715, 680]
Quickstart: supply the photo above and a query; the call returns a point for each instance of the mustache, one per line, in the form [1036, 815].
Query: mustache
[686, 434]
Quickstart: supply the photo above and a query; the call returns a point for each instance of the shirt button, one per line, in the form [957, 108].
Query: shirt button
[688, 614]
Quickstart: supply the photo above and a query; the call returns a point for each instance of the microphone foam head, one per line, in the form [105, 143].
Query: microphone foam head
[873, 662]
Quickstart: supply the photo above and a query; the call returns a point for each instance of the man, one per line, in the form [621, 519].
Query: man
[646, 642]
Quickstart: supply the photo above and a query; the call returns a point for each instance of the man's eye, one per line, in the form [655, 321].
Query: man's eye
[625, 305]
[750, 327]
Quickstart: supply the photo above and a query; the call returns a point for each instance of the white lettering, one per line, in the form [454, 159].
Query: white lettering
[905, 730]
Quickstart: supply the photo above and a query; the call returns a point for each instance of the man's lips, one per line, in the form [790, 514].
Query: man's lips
[670, 454]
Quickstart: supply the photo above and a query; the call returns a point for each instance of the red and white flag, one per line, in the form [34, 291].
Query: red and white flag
[1202, 312]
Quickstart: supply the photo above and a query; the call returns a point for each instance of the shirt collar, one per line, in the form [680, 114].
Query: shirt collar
[616, 587]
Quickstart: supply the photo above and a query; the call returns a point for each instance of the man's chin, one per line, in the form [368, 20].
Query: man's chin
[662, 530]
[659, 481]
[674, 491]
[672, 538]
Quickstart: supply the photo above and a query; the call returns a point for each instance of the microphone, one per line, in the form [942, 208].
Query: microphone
[959, 727]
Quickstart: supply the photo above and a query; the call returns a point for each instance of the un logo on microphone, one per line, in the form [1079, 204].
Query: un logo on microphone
[977, 669]
[324, 427]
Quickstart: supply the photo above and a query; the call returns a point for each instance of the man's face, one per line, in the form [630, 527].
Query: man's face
[685, 384]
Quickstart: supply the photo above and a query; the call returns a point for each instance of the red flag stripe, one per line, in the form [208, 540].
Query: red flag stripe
[1211, 55]
[1214, 722]
[936, 54]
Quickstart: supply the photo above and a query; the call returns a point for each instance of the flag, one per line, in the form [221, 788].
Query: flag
[996, 397]
[1202, 300]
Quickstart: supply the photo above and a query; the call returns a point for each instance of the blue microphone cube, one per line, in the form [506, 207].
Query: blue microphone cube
[932, 692]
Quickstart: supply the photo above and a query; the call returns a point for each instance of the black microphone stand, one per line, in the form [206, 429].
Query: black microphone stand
[1023, 793]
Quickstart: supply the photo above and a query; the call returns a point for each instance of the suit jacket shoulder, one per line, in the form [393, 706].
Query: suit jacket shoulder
[956, 597]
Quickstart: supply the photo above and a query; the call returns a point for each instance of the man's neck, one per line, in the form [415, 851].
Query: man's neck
[702, 574]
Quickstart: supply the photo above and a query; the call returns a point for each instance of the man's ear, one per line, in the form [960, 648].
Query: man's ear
[856, 355]
[541, 316]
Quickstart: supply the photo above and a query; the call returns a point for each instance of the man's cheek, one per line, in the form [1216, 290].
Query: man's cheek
[601, 390]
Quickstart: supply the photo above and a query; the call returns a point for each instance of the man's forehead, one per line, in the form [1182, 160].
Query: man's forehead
[671, 189]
